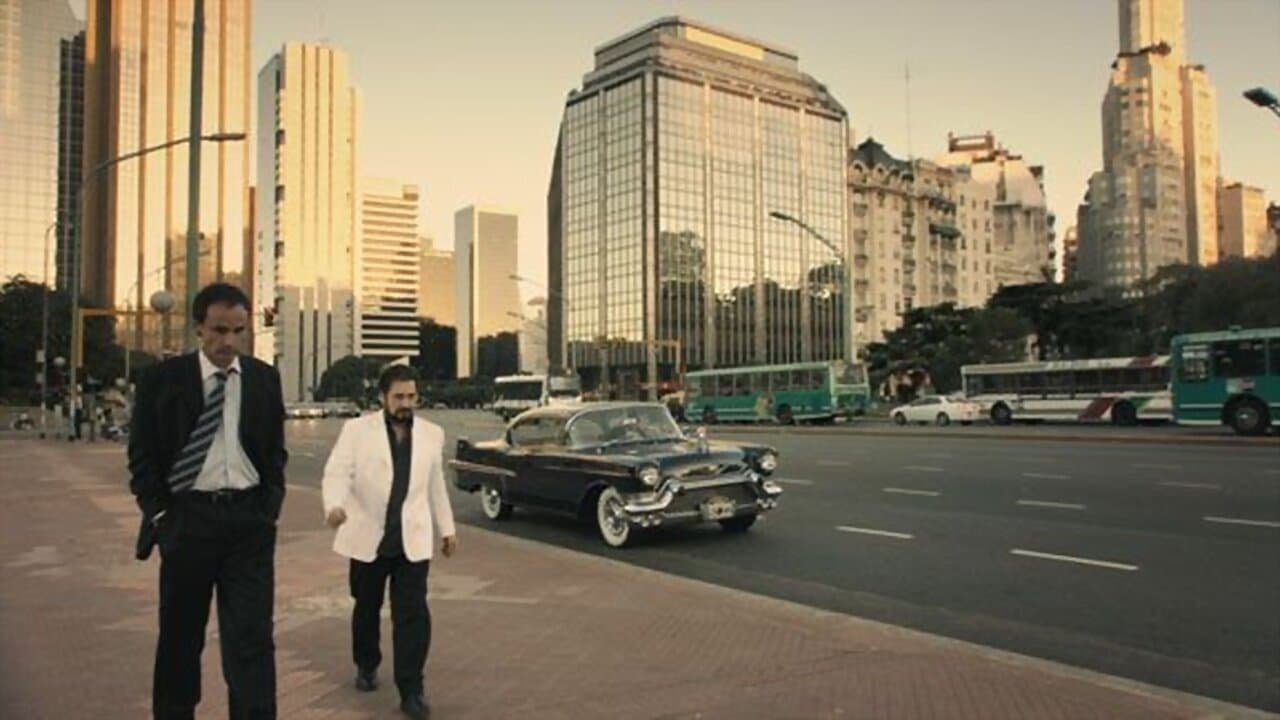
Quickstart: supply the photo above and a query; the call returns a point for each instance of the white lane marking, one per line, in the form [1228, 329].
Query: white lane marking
[908, 491]
[869, 531]
[1241, 521]
[792, 481]
[1047, 504]
[922, 468]
[1046, 476]
[1072, 559]
[1204, 486]
[833, 463]
[1157, 466]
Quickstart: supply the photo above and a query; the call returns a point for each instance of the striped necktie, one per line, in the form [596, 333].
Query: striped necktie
[191, 460]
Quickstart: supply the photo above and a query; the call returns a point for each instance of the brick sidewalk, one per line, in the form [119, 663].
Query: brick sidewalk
[521, 630]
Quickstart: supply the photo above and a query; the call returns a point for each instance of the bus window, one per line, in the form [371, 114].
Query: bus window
[781, 380]
[1112, 378]
[1274, 345]
[1088, 382]
[1239, 358]
[800, 380]
[757, 383]
[741, 385]
[1194, 365]
[707, 386]
[1031, 384]
[1058, 382]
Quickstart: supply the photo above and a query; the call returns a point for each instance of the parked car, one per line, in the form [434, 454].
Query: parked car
[620, 465]
[303, 411]
[937, 409]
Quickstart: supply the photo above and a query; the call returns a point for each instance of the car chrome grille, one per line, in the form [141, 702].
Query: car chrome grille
[711, 470]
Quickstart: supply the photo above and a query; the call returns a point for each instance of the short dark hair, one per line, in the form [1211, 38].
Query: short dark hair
[393, 374]
[217, 294]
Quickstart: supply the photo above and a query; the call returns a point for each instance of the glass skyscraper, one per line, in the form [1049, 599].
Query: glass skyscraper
[670, 159]
[32, 33]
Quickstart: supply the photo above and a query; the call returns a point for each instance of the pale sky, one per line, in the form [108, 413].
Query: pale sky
[465, 97]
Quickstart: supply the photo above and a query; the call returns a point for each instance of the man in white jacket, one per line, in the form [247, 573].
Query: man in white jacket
[384, 491]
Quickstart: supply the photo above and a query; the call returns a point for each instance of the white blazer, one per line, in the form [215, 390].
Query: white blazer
[357, 478]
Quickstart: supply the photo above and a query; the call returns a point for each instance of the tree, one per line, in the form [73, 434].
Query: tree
[347, 378]
[437, 351]
[935, 342]
[498, 355]
[21, 315]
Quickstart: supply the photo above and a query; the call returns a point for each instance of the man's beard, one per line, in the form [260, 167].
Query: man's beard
[403, 415]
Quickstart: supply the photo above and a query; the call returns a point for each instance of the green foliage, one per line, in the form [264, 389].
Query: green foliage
[21, 313]
[346, 379]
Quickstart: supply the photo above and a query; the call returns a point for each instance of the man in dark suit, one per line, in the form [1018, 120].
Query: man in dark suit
[207, 457]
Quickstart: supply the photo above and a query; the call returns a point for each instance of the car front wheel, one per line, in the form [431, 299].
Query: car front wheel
[492, 504]
[611, 519]
[738, 524]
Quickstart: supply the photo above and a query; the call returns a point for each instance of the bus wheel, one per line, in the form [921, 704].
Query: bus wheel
[1001, 415]
[1124, 414]
[785, 415]
[709, 416]
[1248, 417]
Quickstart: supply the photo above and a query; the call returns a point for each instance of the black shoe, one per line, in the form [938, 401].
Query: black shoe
[415, 706]
[366, 681]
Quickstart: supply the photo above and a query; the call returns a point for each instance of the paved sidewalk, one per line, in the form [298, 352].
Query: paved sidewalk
[521, 630]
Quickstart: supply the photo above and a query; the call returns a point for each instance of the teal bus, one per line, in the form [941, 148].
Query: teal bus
[813, 391]
[1228, 378]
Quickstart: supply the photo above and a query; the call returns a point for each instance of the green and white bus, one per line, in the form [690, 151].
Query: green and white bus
[1228, 378]
[813, 391]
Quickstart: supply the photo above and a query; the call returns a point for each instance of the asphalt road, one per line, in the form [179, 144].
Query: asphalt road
[1157, 562]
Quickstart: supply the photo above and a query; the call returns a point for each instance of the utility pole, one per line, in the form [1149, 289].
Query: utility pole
[193, 170]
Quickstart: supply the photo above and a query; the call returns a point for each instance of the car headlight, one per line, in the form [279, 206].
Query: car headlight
[650, 476]
[768, 462]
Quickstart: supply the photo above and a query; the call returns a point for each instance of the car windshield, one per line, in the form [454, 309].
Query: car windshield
[616, 426]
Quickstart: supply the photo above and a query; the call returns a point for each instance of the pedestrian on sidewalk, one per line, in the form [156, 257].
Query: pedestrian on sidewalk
[207, 458]
[384, 491]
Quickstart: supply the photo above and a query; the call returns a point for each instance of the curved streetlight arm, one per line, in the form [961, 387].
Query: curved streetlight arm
[776, 215]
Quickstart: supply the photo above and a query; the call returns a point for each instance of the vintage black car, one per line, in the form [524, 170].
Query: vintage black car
[620, 465]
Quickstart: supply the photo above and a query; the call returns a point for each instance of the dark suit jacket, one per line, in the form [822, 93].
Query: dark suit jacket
[169, 399]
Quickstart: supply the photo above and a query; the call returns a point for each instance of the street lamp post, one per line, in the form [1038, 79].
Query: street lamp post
[851, 347]
[1263, 98]
[44, 334]
[77, 341]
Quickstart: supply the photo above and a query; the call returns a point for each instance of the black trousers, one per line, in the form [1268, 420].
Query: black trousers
[410, 617]
[227, 544]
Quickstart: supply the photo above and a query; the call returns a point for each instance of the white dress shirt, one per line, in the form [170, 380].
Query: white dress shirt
[226, 467]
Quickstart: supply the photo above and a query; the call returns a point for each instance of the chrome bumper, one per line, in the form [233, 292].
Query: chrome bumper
[651, 509]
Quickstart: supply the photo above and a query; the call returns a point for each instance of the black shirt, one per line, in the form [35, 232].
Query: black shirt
[392, 544]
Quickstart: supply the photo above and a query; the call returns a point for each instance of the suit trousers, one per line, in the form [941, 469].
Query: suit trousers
[410, 617]
[228, 543]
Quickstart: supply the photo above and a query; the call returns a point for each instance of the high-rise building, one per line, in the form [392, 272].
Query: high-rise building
[533, 338]
[436, 295]
[1024, 227]
[681, 142]
[1273, 222]
[1244, 228]
[138, 96]
[1070, 255]
[32, 33]
[1155, 203]
[307, 208]
[922, 235]
[485, 244]
[388, 253]
[70, 150]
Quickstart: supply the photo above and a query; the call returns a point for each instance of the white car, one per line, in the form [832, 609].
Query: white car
[937, 409]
